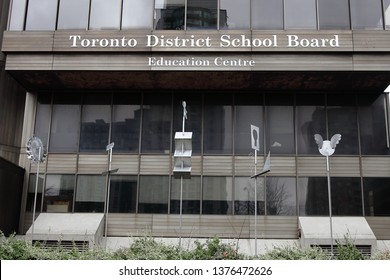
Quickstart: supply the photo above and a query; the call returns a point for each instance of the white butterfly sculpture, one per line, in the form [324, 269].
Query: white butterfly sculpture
[327, 147]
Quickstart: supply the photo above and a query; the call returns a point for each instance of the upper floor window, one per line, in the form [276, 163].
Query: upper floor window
[300, 14]
[73, 14]
[333, 14]
[105, 14]
[366, 14]
[267, 14]
[41, 15]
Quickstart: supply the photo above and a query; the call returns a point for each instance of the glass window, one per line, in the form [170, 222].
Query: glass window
[234, 14]
[300, 14]
[32, 184]
[126, 122]
[386, 6]
[169, 14]
[342, 118]
[313, 196]
[123, 194]
[366, 14]
[218, 124]
[156, 123]
[193, 123]
[376, 196]
[372, 123]
[42, 119]
[248, 111]
[280, 124]
[346, 197]
[105, 14]
[137, 14]
[217, 195]
[90, 193]
[281, 196]
[267, 14]
[73, 14]
[311, 119]
[333, 14]
[64, 133]
[202, 14]
[41, 15]
[191, 196]
[244, 196]
[95, 123]
[59, 192]
[153, 194]
[17, 14]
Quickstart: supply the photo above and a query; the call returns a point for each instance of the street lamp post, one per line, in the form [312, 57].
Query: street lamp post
[327, 148]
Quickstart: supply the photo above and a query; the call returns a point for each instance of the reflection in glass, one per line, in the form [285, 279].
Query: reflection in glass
[244, 196]
[372, 124]
[376, 196]
[333, 14]
[267, 14]
[169, 14]
[311, 119]
[218, 124]
[313, 196]
[90, 193]
[31, 192]
[105, 14]
[123, 194]
[366, 14]
[300, 14]
[234, 14]
[346, 197]
[73, 14]
[153, 194]
[386, 7]
[59, 192]
[41, 15]
[137, 14]
[42, 119]
[281, 196]
[202, 14]
[156, 124]
[191, 196]
[217, 195]
[18, 11]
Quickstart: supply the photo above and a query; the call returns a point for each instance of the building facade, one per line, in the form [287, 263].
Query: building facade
[97, 72]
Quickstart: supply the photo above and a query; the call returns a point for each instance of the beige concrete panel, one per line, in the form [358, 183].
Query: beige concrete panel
[29, 62]
[375, 166]
[62, 163]
[371, 41]
[282, 166]
[28, 41]
[311, 166]
[244, 165]
[371, 62]
[155, 165]
[380, 226]
[127, 164]
[92, 164]
[217, 165]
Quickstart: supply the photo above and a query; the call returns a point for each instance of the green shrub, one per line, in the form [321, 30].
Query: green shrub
[347, 250]
[295, 253]
[213, 249]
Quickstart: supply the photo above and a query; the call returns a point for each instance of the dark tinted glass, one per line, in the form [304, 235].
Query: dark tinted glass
[376, 196]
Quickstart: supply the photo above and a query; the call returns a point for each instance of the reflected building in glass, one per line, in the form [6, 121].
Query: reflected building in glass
[325, 72]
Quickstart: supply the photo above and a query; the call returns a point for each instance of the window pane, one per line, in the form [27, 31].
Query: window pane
[281, 196]
[234, 14]
[105, 14]
[202, 14]
[156, 128]
[137, 14]
[123, 194]
[126, 123]
[217, 195]
[311, 119]
[59, 192]
[280, 124]
[191, 196]
[313, 196]
[193, 123]
[342, 118]
[244, 196]
[249, 111]
[386, 6]
[153, 194]
[32, 184]
[366, 14]
[333, 14]
[73, 14]
[64, 134]
[42, 119]
[376, 196]
[267, 14]
[218, 128]
[18, 11]
[90, 193]
[300, 14]
[169, 14]
[95, 123]
[41, 15]
[346, 197]
[372, 123]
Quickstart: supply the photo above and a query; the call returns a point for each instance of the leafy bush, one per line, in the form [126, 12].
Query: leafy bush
[214, 250]
[347, 250]
[295, 253]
